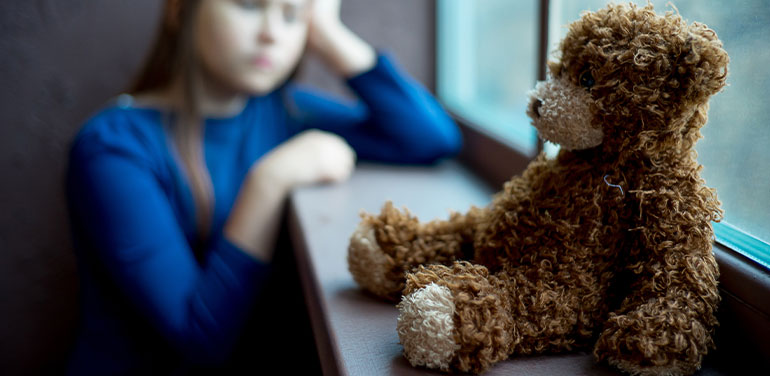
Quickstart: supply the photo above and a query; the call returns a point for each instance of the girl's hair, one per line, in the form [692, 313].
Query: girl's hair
[173, 53]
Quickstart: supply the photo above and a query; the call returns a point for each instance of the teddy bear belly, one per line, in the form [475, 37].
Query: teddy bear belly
[561, 294]
[545, 243]
[558, 308]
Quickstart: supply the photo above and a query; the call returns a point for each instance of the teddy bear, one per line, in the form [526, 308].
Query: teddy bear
[606, 247]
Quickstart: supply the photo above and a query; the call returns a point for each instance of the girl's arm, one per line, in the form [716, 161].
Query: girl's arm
[124, 215]
[396, 119]
[310, 157]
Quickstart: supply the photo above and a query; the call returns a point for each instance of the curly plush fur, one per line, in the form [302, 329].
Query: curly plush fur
[606, 246]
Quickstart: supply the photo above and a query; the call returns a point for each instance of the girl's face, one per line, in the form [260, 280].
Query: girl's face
[250, 46]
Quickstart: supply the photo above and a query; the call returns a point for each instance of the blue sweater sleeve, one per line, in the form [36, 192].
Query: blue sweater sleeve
[395, 119]
[128, 220]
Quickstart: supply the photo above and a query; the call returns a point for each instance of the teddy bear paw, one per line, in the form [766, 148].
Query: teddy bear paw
[426, 327]
[369, 265]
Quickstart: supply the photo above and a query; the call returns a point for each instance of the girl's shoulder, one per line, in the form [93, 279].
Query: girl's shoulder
[120, 127]
[121, 112]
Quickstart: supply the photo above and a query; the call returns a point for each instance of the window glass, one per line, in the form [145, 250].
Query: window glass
[487, 64]
[735, 149]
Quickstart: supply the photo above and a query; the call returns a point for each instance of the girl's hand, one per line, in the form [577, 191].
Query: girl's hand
[310, 157]
[339, 47]
[324, 15]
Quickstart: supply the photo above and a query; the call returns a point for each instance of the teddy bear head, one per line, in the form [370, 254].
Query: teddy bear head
[629, 80]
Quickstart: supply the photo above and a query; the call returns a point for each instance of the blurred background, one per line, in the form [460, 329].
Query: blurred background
[59, 62]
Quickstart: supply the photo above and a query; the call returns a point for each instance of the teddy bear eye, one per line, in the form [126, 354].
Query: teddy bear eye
[586, 80]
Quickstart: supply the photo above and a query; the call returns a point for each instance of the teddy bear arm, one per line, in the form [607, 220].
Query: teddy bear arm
[450, 239]
[384, 247]
[664, 325]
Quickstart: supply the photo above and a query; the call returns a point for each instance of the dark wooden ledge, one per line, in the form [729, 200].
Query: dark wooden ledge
[355, 333]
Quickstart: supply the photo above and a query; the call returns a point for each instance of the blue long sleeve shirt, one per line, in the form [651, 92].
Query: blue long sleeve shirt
[148, 304]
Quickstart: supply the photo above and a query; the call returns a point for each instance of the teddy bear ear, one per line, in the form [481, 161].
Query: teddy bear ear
[703, 64]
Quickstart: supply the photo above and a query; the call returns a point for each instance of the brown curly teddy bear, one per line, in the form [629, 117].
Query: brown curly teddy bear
[606, 246]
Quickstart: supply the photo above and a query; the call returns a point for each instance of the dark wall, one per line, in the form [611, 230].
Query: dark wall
[59, 62]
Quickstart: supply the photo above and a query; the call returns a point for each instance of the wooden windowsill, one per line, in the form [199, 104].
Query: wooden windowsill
[355, 333]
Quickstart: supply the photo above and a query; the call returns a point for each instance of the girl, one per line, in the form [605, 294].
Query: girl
[175, 190]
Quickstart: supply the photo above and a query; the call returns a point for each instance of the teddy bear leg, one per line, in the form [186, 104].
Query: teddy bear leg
[492, 316]
[665, 327]
[455, 318]
[661, 336]
[386, 246]
[649, 341]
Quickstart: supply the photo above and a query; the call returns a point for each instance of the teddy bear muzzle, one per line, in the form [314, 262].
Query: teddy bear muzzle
[560, 111]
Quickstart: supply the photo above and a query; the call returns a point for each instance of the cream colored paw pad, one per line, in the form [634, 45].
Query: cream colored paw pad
[367, 262]
[426, 327]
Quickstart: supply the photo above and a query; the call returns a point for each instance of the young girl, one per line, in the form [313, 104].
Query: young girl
[175, 191]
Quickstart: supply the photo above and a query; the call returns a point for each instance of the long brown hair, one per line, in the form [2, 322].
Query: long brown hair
[173, 53]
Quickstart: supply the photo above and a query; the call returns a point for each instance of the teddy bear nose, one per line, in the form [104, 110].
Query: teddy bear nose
[536, 107]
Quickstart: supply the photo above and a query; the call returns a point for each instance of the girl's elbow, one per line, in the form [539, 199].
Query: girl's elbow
[454, 142]
[434, 138]
[448, 142]
[445, 146]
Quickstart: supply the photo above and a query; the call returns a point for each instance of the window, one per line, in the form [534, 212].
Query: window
[487, 61]
[486, 54]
